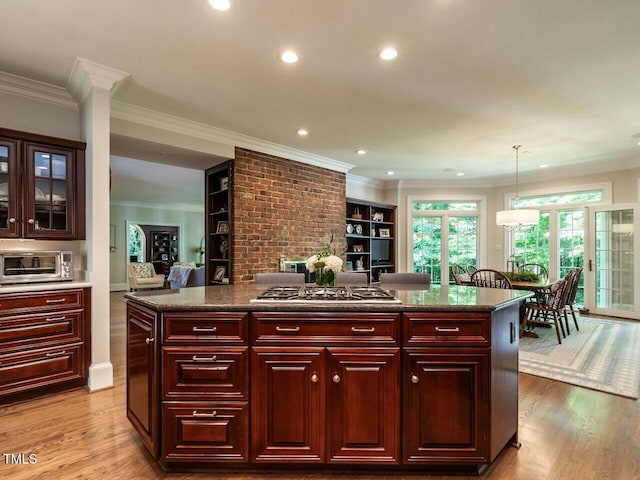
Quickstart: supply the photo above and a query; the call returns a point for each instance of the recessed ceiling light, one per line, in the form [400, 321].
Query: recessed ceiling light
[638, 143]
[289, 57]
[543, 166]
[361, 152]
[460, 174]
[391, 172]
[220, 4]
[388, 53]
[303, 132]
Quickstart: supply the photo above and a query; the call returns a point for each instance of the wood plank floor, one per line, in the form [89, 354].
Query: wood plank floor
[566, 433]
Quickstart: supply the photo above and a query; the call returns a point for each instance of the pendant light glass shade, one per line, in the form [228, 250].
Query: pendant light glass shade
[517, 217]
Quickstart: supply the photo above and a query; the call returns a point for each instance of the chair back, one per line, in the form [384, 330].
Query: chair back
[538, 269]
[471, 269]
[280, 279]
[575, 282]
[414, 278]
[485, 277]
[352, 278]
[458, 273]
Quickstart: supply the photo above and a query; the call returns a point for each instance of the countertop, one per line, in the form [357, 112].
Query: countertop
[418, 298]
[80, 281]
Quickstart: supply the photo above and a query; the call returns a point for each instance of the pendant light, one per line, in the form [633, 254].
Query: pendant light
[516, 217]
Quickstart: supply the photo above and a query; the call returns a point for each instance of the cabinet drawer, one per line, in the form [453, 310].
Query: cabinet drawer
[205, 328]
[40, 301]
[28, 370]
[41, 330]
[205, 432]
[319, 328]
[206, 372]
[440, 329]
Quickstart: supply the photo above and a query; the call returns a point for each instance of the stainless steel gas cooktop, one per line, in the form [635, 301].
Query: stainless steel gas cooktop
[326, 294]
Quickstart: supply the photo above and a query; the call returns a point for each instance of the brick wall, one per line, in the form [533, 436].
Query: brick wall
[282, 208]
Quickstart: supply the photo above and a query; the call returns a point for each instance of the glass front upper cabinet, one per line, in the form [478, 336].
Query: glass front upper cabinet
[9, 204]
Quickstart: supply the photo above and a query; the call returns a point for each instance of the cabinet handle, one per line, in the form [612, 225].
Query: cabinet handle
[336, 378]
[448, 329]
[314, 378]
[31, 221]
[56, 300]
[287, 329]
[55, 354]
[211, 415]
[196, 358]
[54, 319]
[12, 220]
[205, 329]
[512, 330]
[149, 340]
[363, 330]
[414, 378]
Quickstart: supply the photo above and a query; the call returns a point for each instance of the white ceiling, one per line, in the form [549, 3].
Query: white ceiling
[472, 78]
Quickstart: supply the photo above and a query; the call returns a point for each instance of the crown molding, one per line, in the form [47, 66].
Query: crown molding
[364, 181]
[171, 123]
[33, 89]
[87, 75]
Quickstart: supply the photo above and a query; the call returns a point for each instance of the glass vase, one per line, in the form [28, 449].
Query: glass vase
[325, 279]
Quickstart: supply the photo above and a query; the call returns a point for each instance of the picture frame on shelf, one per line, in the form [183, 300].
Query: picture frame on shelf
[222, 226]
[384, 233]
[219, 273]
[358, 248]
[224, 183]
[164, 256]
[348, 266]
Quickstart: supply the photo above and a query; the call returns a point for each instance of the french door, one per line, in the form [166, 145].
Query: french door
[612, 268]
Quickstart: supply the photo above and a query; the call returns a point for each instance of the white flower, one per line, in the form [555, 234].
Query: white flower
[331, 262]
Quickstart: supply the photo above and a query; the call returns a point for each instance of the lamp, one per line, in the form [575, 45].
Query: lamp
[517, 217]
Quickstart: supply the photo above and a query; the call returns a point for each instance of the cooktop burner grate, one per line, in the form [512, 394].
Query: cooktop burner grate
[327, 294]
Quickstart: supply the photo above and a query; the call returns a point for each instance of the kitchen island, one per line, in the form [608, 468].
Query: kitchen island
[426, 382]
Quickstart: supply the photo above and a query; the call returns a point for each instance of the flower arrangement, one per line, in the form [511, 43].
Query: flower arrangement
[325, 264]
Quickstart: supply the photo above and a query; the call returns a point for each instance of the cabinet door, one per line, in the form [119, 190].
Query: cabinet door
[10, 222]
[49, 192]
[287, 404]
[363, 410]
[446, 405]
[143, 400]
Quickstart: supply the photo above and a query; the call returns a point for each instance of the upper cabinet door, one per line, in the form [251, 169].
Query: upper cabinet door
[10, 225]
[49, 193]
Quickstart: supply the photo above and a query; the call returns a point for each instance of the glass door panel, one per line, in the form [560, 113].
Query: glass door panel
[427, 246]
[9, 220]
[613, 265]
[571, 246]
[462, 240]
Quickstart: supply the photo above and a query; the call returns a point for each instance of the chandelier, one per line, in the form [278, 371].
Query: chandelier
[517, 217]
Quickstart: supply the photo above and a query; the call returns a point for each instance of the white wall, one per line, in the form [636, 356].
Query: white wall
[191, 225]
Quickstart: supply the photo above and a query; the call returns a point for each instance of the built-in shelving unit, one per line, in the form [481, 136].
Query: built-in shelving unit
[219, 227]
[370, 238]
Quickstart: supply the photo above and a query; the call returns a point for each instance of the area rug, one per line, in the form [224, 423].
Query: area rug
[604, 355]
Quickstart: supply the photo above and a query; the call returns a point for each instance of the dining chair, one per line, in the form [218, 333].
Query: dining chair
[537, 268]
[459, 274]
[471, 269]
[549, 311]
[352, 278]
[279, 279]
[486, 277]
[405, 278]
[575, 272]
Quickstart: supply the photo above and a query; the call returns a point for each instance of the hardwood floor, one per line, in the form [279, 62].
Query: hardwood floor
[566, 433]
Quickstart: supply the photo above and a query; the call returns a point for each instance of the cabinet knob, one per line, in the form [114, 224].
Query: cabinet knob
[12, 220]
[314, 378]
[414, 378]
[336, 378]
[31, 221]
[149, 340]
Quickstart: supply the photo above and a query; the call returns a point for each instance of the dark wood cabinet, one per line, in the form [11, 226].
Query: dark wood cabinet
[42, 187]
[288, 404]
[143, 398]
[370, 237]
[363, 405]
[219, 224]
[45, 343]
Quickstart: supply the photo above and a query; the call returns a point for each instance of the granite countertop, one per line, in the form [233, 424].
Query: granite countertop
[80, 280]
[445, 298]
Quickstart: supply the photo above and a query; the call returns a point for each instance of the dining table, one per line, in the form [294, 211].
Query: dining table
[539, 288]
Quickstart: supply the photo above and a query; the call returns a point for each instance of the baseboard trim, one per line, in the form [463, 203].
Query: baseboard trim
[100, 376]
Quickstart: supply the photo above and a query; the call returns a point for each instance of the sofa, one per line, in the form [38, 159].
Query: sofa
[185, 276]
[143, 275]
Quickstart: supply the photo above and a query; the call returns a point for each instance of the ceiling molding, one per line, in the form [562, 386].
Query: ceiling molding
[87, 75]
[163, 121]
[364, 181]
[35, 90]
